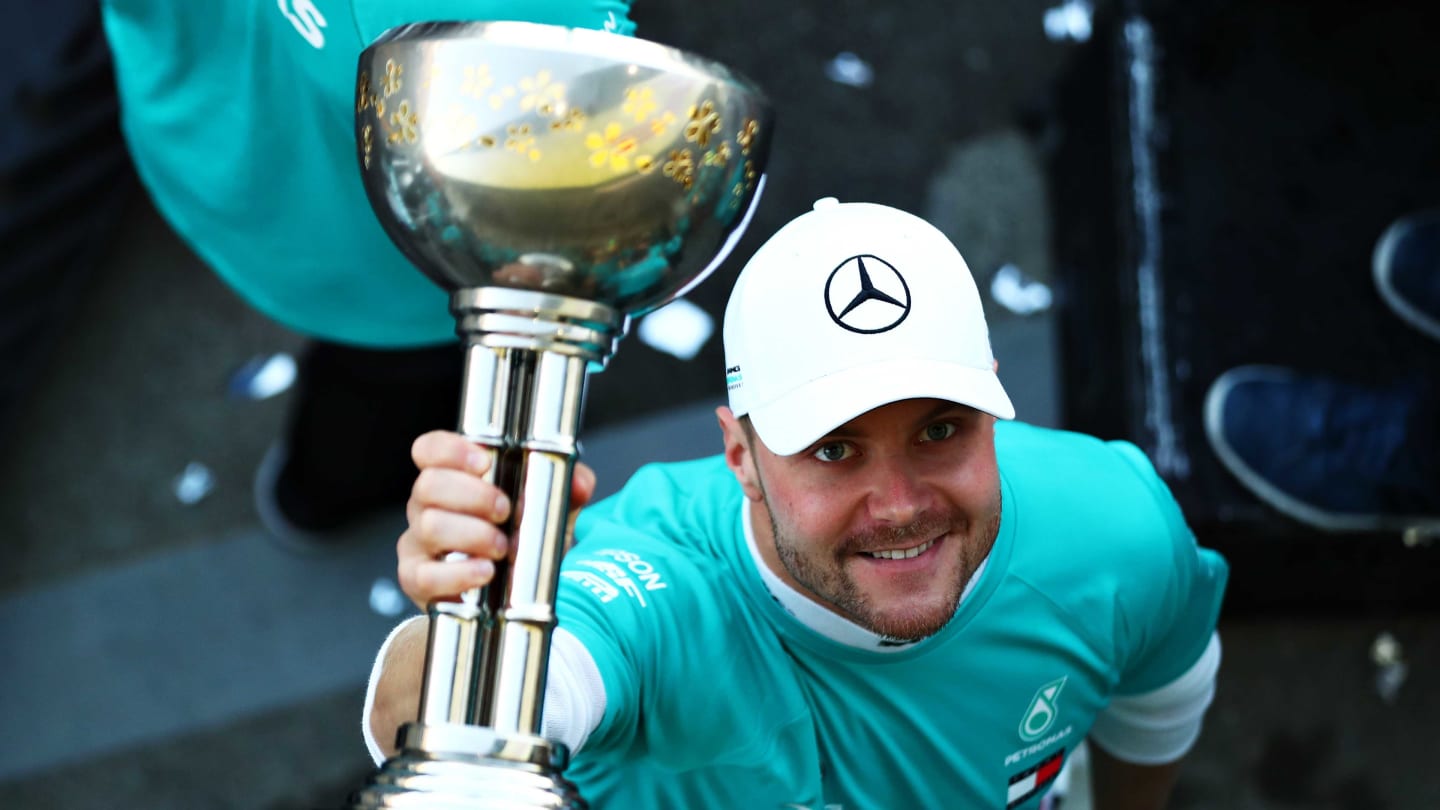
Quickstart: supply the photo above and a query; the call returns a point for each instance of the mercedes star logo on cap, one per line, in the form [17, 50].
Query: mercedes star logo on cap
[866, 294]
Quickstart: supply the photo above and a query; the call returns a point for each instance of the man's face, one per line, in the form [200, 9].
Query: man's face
[885, 519]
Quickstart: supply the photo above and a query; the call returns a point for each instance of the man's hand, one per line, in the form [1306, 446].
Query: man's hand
[453, 509]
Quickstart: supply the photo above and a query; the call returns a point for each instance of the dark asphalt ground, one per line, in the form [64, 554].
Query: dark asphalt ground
[165, 655]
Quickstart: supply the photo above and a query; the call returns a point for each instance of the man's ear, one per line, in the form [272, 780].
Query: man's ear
[739, 455]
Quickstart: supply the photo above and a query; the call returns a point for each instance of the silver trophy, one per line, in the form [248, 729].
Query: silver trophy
[556, 182]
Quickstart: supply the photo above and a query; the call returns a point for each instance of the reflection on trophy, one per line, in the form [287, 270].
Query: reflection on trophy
[556, 182]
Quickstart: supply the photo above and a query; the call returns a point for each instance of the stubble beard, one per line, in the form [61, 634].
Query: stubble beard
[830, 580]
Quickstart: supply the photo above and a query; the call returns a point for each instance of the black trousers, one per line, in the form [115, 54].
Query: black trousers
[65, 176]
[354, 415]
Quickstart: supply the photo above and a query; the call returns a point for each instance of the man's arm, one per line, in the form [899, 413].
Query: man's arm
[1119, 785]
[451, 509]
[395, 687]
[1138, 741]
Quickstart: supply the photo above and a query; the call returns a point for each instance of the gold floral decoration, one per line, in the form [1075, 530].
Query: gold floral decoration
[392, 84]
[610, 148]
[367, 140]
[499, 97]
[573, 120]
[639, 103]
[541, 94]
[681, 168]
[476, 80]
[362, 103]
[746, 136]
[704, 122]
[719, 156]
[406, 124]
[645, 164]
[662, 122]
[521, 141]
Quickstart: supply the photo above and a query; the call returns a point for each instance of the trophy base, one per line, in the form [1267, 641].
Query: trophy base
[454, 767]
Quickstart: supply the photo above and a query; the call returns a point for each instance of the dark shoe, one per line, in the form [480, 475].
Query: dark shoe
[304, 526]
[345, 456]
[1333, 456]
[1407, 270]
[272, 516]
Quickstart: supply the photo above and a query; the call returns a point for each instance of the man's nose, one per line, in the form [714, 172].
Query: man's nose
[898, 494]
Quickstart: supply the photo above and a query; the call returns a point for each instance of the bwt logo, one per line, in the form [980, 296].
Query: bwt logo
[307, 20]
[619, 576]
[594, 584]
[637, 565]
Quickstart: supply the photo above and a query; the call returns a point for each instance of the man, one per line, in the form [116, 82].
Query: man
[876, 597]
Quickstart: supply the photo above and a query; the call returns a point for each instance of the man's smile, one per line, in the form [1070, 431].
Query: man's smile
[914, 559]
[901, 553]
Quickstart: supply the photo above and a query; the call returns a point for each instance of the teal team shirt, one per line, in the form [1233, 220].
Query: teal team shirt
[718, 697]
[239, 117]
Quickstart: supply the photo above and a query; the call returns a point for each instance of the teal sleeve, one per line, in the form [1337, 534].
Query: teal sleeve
[609, 611]
[626, 623]
[653, 619]
[1168, 618]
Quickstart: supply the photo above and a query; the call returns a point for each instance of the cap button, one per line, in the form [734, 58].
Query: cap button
[826, 202]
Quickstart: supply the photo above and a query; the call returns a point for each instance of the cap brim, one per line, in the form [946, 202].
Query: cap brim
[804, 415]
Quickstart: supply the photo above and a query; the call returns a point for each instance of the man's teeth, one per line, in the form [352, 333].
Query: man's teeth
[902, 553]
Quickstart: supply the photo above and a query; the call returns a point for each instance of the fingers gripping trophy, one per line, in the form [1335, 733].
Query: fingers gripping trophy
[557, 182]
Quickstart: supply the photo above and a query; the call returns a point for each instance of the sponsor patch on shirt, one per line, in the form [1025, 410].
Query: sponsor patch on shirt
[1031, 781]
[629, 574]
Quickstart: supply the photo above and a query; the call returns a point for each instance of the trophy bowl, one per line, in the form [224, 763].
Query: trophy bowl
[565, 161]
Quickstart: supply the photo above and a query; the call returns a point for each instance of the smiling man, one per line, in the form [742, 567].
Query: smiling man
[882, 594]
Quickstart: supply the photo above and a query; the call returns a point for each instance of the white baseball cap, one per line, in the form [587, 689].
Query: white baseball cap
[849, 307]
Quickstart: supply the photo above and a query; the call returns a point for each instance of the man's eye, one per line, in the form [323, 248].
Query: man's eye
[939, 431]
[834, 451]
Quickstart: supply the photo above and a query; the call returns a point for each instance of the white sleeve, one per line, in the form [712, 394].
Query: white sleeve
[1157, 727]
[375, 670]
[574, 692]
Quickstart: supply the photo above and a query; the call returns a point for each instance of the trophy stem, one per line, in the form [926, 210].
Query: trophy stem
[526, 356]
[486, 657]
[515, 650]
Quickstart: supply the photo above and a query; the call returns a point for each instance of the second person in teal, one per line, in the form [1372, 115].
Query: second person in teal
[239, 117]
